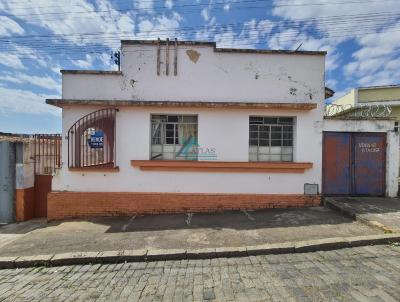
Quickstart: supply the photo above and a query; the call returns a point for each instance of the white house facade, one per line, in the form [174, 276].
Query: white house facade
[186, 126]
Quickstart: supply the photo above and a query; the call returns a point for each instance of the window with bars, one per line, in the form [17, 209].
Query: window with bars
[174, 137]
[91, 140]
[271, 138]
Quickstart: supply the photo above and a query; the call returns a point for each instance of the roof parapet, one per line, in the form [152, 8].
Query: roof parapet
[107, 72]
[225, 50]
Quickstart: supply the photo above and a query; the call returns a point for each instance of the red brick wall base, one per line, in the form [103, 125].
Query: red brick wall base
[61, 205]
[24, 204]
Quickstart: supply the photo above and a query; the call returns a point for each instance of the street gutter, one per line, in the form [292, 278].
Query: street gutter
[122, 256]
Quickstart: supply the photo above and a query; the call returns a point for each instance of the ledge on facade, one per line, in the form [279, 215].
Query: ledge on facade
[231, 105]
[230, 50]
[106, 72]
[94, 169]
[219, 166]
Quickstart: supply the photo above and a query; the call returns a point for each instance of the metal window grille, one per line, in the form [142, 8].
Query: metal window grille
[271, 138]
[91, 140]
[47, 153]
[174, 137]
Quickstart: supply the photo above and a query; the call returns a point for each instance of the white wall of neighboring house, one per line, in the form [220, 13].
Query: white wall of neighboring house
[215, 77]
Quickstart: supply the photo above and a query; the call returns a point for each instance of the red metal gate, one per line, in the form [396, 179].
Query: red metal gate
[354, 164]
[47, 159]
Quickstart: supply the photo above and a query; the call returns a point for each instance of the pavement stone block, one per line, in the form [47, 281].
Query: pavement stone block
[7, 262]
[31, 261]
[275, 248]
[208, 294]
[231, 251]
[74, 258]
[168, 254]
[109, 257]
[206, 253]
[373, 239]
[321, 245]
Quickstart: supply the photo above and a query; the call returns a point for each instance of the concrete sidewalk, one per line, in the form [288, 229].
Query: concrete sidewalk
[236, 229]
[379, 212]
[15, 231]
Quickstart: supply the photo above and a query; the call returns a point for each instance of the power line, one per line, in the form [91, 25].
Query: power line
[199, 5]
[282, 24]
[237, 44]
[44, 45]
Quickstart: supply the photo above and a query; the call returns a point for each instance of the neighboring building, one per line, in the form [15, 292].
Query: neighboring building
[16, 177]
[374, 111]
[186, 126]
[360, 156]
[358, 98]
[27, 163]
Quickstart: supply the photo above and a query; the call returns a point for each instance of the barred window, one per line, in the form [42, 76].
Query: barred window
[91, 140]
[174, 137]
[271, 138]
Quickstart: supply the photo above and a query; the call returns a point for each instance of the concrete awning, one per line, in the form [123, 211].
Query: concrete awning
[169, 104]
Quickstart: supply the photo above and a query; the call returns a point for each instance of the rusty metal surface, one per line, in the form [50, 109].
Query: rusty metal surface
[42, 187]
[336, 164]
[80, 153]
[47, 153]
[369, 164]
[354, 164]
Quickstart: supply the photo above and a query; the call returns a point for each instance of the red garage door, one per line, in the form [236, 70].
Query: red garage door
[354, 164]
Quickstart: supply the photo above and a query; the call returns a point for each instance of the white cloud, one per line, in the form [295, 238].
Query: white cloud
[304, 9]
[84, 64]
[331, 83]
[8, 27]
[146, 5]
[377, 62]
[205, 13]
[11, 60]
[169, 4]
[227, 7]
[159, 27]
[24, 101]
[43, 82]
[251, 35]
[371, 26]
[78, 16]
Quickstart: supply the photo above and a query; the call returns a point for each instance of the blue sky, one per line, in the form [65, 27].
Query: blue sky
[40, 37]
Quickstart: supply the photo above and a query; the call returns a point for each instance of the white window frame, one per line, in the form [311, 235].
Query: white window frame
[264, 137]
[161, 146]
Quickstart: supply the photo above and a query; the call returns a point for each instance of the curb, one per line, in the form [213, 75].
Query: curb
[182, 254]
[331, 204]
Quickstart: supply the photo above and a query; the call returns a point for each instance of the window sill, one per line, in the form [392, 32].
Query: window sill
[94, 169]
[217, 166]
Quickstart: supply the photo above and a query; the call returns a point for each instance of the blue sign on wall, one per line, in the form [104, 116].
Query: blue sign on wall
[96, 140]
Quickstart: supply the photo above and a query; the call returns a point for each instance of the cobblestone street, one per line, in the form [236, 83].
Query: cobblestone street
[357, 274]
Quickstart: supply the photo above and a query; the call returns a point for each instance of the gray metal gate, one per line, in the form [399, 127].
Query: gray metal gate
[7, 181]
